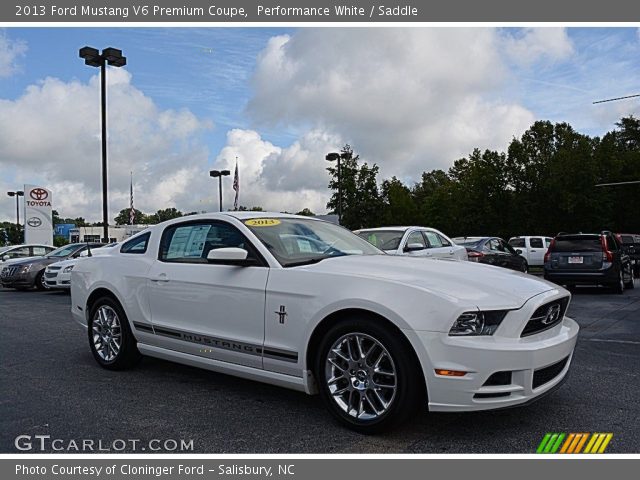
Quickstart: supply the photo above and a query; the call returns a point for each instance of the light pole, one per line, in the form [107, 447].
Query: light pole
[17, 194]
[219, 174]
[93, 58]
[332, 157]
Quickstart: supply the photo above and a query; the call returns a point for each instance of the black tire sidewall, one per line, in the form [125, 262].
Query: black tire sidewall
[410, 390]
[128, 354]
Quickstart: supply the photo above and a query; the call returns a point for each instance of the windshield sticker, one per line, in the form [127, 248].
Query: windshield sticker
[262, 222]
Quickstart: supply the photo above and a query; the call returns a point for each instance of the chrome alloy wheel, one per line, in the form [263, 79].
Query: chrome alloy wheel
[107, 333]
[361, 376]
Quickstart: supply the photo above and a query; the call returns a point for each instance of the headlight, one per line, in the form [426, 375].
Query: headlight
[477, 323]
[67, 269]
[26, 268]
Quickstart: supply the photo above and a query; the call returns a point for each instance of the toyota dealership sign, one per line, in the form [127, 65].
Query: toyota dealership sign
[38, 223]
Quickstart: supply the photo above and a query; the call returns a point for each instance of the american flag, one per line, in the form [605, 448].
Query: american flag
[236, 186]
[132, 212]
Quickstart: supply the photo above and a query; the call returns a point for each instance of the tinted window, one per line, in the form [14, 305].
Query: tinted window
[505, 247]
[535, 242]
[19, 252]
[417, 239]
[612, 245]
[627, 239]
[517, 242]
[191, 243]
[578, 243]
[383, 239]
[136, 245]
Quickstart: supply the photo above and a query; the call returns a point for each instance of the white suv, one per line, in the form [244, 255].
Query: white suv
[531, 248]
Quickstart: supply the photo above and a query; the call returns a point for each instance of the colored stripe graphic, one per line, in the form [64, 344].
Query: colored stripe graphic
[555, 442]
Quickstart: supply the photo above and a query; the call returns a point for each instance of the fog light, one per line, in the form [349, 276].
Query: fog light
[450, 373]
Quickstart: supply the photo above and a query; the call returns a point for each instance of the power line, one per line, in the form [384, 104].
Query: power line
[617, 98]
[616, 183]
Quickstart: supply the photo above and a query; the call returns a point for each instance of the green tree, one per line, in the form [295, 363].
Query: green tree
[123, 217]
[164, 215]
[399, 207]
[306, 212]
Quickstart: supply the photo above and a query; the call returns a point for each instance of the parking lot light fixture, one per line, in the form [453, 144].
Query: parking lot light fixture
[219, 174]
[17, 194]
[113, 57]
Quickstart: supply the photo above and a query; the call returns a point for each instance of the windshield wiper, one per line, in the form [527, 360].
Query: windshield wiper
[309, 261]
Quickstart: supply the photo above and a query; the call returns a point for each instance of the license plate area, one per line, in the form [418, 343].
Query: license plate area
[576, 260]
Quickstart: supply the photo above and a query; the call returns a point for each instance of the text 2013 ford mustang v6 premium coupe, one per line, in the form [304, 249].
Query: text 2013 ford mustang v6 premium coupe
[306, 304]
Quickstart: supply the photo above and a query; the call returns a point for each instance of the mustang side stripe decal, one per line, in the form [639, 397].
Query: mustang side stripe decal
[225, 344]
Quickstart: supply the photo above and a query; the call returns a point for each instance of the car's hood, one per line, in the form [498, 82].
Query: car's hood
[43, 261]
[66, 263]
[20, 260]
[461, 282]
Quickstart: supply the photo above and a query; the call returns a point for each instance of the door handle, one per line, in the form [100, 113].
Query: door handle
[532, 251]
[160, 278]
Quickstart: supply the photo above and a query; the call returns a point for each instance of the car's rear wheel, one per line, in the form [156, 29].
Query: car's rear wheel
[618, 287]
[525, 267]
[367, 377]
[629, 284]
[110, 338]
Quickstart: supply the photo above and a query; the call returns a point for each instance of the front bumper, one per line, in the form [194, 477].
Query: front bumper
[23, 280]
[503, 370]
[58, 280]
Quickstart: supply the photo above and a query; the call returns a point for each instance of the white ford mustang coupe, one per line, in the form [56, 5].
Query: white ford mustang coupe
[305, 304]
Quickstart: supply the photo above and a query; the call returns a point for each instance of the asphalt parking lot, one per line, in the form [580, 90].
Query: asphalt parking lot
[50, 385]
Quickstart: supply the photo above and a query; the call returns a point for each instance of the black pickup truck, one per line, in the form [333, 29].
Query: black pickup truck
[631, 246]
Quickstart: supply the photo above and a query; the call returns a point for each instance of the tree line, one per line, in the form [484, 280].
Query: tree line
[543, 184]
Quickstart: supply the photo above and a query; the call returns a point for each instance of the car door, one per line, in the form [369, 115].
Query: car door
[492, 252]
[203, 308]
[414, 245]
[512, 259]
[438, 246]
[536, 251]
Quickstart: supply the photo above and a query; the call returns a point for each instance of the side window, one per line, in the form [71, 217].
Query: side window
[39, 251]
[433, 238]
[535, 242]
[444, 241]
[416, 238]
[19, 252]
[612, 245]
[136, 245]
[517, 242]
[547, 242]
[507, 248]
[494, 245]
[192, 242]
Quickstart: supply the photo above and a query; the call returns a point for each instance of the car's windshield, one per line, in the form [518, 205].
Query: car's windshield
[296, 241]
[64, 251]
[383, 239]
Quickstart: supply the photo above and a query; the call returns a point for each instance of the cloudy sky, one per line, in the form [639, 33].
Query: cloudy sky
[408, 99]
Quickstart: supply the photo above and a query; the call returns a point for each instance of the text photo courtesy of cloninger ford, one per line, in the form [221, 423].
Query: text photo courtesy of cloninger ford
[294, 239]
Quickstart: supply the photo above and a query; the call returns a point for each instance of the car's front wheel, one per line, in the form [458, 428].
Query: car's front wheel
[367, 377]
[110, 338]
[40, 282]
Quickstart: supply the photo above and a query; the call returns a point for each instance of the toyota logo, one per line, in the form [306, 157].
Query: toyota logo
[34, 222]
[552, 316]
[38, 194]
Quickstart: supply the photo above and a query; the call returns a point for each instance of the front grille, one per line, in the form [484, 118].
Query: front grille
[9, 271]
[546, 374]
[53, 269]
[492, 395]
[50, 274]
[545, 317]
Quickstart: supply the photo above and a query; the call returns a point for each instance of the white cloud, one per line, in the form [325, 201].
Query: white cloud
[10, 52]
[51, 135]
[533, 44]
[408, 99]
[275, 178]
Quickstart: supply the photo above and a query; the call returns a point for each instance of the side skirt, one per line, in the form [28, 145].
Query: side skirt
[279, 379]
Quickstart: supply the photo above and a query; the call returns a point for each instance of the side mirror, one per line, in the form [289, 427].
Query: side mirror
[413, 247]
[5, 258]
[518, 251]
[230, 256]
[84, 253]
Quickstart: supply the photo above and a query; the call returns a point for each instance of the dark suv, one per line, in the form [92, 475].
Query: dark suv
[631, 246]
[588, 259]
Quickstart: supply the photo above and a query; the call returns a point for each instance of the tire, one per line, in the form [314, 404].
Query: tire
[618, 287]
[108, 324]
[525, 267]
[630, 283]
[369, 404]
[39, 282]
